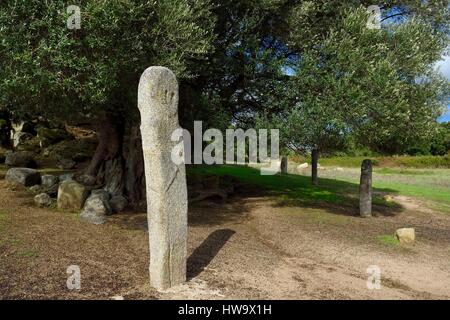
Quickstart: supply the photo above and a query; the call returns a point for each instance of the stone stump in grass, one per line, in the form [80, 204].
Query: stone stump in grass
[284, 165]
[365, 189]
[165, 179]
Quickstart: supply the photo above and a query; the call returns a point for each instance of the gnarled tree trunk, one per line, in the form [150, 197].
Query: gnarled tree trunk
[134, 168]
[107, 164]
[118, 162]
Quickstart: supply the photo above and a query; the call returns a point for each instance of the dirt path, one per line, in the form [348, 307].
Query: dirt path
[247, 248]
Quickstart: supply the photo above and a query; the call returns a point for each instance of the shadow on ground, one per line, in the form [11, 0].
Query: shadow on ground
[290, 190]
[205, 253]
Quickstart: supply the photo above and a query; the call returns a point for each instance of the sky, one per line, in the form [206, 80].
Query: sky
[444, 68]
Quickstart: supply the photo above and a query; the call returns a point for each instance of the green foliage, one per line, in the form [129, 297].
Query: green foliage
[311, 68]
[375, 85]
[438, 144]
[48, 69]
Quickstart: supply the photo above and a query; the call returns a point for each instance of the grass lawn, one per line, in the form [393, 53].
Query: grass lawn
[432, 185]
[342, 187]
[296, 189]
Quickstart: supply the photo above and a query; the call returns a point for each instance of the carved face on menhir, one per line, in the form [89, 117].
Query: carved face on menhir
[158, 94]
[366, 166]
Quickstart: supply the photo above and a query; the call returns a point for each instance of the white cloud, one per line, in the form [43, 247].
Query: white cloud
[444, 66]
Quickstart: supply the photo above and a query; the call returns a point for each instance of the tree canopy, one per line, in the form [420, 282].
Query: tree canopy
[313, 69]
[49, 69]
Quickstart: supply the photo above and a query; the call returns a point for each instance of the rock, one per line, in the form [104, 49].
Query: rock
[339, 169]
[96, 209]
[117, 298]
[388, 198]
[118, 203]
[24, 176]
[49, 180]
[406, 235]
[35, 189]
[23, 159]
[65, 177]
[66, 164]
[52, 191]
[50, 184]
[43, 200]
[302, 166]
[20, 138]
[71, 195]
[87, 180]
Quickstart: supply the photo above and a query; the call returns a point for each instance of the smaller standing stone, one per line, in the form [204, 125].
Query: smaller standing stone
[43, 200]
[365, 189]
[406, 235]
[284, 165]
[24, 176]
[71, 195]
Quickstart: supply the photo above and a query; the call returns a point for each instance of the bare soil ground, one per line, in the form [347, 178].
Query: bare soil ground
[247, 248]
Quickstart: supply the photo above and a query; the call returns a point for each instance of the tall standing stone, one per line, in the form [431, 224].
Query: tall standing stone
[284, 164]
[365, 189]
[165, 180]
